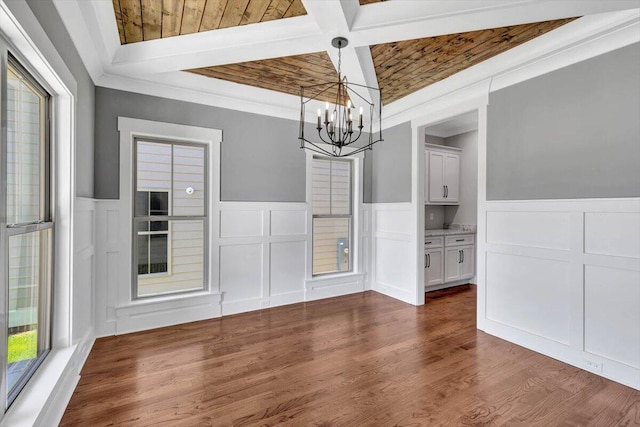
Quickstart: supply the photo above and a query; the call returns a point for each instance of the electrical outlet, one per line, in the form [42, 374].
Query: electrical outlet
[265, 303]
[593, 365]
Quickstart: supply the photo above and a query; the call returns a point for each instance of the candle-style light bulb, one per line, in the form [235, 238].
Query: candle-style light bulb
[319, 118]
[360, 121]
[326, 113]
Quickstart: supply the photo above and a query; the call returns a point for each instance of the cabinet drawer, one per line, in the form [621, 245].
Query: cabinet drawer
[433, 242]
[461, 239]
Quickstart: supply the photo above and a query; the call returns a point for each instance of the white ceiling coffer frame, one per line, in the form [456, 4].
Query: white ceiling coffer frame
[154, 67]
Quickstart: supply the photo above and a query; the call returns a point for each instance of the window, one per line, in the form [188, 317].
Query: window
[28, 231]
[170, 218]
[332, 201]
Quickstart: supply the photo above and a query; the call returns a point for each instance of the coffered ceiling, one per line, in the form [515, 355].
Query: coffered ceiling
[255, 54]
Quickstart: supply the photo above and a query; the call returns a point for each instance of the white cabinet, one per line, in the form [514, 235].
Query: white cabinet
[442, 184]
[433, 260]
[459, 263]
[448, 259]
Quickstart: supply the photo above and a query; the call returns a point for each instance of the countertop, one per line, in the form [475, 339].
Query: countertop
[447, 232]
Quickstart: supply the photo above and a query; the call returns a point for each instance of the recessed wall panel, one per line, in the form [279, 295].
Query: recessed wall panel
[612, 233]
[612, 318]
[549, 230]
[531, 294]
[240, 272]
[288, 260]
[287, 223]
[241, 223]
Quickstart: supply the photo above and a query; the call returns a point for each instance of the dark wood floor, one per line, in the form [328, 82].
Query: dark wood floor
[358, 360]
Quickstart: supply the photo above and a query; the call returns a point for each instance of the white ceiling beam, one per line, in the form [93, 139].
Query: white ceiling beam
[273, 39]
[394, 21]
[335, 18]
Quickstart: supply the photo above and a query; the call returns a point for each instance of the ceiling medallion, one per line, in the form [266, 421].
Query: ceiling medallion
[336, 127]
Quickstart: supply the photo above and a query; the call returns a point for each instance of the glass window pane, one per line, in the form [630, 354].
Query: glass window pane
[188, 173]
[175, 260]
[321, 187]
[153, 170]
[331, 243]
[29, 293]
[340, 188]
[159, 226]
[143, 254]
[158, 203]
[25, 151]
[158, 255]
[142, 203]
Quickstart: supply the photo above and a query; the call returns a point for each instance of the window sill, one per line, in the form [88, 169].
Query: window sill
[152, 300]
[35, 400]
[335, 277]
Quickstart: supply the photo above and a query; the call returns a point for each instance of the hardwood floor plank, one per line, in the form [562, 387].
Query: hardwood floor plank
[357, 360]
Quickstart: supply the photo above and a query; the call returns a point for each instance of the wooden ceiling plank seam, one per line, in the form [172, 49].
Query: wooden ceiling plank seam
[171, 17]
[233, 13]
[212, 15]
[132, 20]
[118, 13]
[151, 20]
[255, 11]
[296, 8]
[192, 16]
[276, 10]
[289, 69]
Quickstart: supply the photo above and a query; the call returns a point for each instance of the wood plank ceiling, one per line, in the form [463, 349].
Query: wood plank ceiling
[280, 74]
[407, 66]
[401, 67]
[141, 20]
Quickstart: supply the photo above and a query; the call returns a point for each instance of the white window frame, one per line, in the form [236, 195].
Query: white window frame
[131, 129]
[357, 179]
[21, 33]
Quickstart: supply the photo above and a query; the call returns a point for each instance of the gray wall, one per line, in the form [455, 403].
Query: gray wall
[390, 164]
[261, 157]
[572, 133]
[50, 20]
[467, 211]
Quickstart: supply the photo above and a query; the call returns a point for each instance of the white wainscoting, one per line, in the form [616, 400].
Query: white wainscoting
[262, 257]
[562, 277]
[394, 239]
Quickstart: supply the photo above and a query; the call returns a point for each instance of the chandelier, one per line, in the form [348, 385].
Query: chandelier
[338, 126]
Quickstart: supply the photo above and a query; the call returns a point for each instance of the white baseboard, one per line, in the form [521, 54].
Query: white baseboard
[157, 314]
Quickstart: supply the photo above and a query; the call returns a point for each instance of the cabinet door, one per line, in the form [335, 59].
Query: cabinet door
[436, 176]
[452, 177]
[452, 264]
[433, 273]
[426, 177]
[467, 266]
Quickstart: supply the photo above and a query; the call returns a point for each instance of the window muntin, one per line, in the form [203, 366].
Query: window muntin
[28, 230]
[169, 218]
[332, 207]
